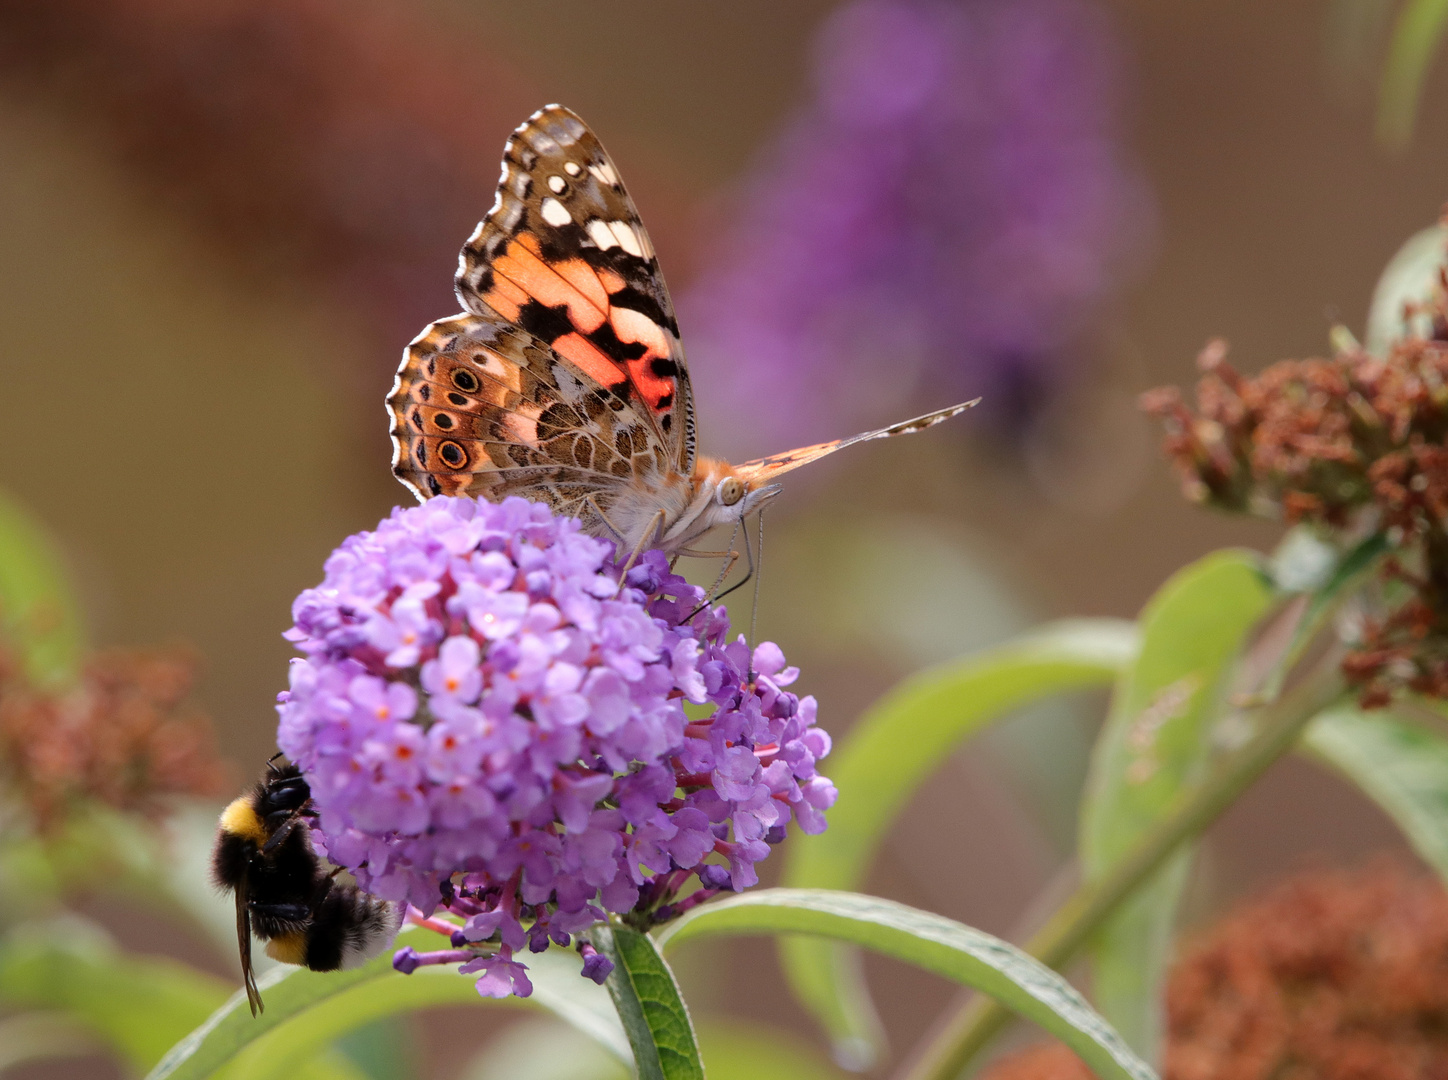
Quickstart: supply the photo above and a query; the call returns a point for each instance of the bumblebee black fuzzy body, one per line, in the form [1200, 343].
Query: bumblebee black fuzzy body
[284, 894]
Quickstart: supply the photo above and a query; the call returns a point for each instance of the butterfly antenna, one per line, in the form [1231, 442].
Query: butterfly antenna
[758, 569]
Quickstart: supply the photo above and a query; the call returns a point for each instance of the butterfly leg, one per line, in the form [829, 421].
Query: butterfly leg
[650, 536]
[748, 569]
[733, 557]
[729, 554]
[617, 536]
[729, 557]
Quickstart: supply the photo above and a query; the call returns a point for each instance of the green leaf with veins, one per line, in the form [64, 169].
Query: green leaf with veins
[893, 749]
[1156, 742]
[649, 1005]
[932, 942]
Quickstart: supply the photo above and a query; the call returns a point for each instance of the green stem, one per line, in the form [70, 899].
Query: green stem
[1277, 726]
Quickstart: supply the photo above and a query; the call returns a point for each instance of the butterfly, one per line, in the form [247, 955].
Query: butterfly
[564, 379]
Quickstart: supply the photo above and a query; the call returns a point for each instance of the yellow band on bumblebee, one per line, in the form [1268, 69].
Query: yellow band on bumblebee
[241, 819]
[288, 949]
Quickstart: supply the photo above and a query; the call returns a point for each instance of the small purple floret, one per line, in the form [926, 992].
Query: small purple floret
[712, 876]
[596, 966]
[492, 724]
[406, 960]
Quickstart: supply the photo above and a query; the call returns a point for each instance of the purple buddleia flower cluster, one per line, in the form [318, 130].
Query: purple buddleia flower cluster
[492, 721]
[940, 220]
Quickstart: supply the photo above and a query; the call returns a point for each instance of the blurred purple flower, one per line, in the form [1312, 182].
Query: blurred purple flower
[493, 723]
[940, 220]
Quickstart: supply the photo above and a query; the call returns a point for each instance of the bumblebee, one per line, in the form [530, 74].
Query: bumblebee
[284, 894]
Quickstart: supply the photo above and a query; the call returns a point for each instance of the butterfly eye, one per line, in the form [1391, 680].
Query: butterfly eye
[465, 380]
[731, 490]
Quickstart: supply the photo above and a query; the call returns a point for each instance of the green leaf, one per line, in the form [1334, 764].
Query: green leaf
[1340, 575]
[307, 1010]
[331, 1064]
[545, 1049]
[135, 1006]
[382, 1050]
[542, 1048]
[42, 1036]
[1411, 277]
[1401, 767]
[1416, 37]
[895, 746]
[138, 1005]
[649, 1004]
[1155, 742]
[39, 615]
[734, 1050]
[931, 942]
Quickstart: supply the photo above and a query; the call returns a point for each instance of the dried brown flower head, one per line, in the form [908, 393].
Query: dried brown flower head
[124, 736]
[1354, 444]
[1330, 440]
[1329, 976]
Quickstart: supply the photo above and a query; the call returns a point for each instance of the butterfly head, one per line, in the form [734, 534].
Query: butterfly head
[734, 494]
[736, 498]
[723, 497]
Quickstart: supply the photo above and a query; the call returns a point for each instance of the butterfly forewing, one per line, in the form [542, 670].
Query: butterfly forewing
[564, 256]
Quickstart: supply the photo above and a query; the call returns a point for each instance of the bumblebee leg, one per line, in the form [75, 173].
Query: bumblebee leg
[280, 913]
[282, 831]
[243, 941]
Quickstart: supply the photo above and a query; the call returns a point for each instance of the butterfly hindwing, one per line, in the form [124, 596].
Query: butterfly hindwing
[563, 255]
[481, 407]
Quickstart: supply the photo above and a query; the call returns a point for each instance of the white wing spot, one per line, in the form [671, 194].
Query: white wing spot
[604, 171]
[601, 234]
[556, 184]
[628, 239]
[556, 214]
[572, 168]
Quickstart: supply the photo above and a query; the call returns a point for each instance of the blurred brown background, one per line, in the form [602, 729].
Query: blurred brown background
[192, 383]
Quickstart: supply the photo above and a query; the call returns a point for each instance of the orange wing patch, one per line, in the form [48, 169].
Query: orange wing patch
[564, 284]
[563, 256]
[580, 351]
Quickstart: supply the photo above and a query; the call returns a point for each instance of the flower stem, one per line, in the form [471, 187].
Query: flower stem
[1277, 725]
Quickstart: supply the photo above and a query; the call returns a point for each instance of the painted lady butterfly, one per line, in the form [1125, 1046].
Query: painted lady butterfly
[564, 380]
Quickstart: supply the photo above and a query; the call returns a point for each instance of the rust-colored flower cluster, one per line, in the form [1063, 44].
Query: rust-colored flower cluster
[125, 736]
[1355, 444]
[1330, 976]
[1318, 440]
